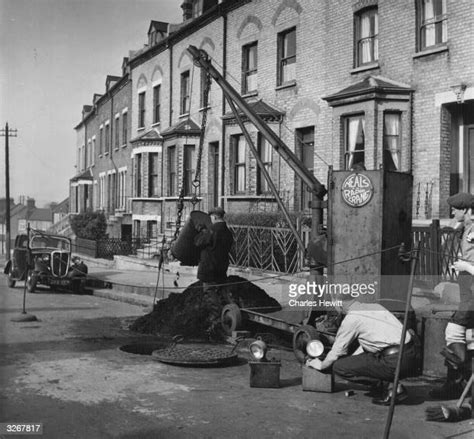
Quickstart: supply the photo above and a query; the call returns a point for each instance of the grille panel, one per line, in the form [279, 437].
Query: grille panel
[59, 263]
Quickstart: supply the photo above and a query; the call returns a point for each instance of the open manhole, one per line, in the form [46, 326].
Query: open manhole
[196, 355]
[143, 348]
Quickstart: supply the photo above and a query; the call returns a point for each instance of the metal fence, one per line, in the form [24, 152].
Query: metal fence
[266, 248]
[439, 248]
[275, 249]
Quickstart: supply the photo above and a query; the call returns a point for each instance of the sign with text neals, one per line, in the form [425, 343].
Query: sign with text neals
[357, 190]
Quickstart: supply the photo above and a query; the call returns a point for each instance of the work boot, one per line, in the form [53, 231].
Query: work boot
[455, 355]
[448, 390]
[453, 387]
[386, 399]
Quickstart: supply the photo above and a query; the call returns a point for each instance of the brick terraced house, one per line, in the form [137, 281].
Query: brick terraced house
[379, 82]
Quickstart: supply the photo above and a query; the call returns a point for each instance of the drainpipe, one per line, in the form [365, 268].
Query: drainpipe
[170, 48]
[224, 73]
[85, 160]
[279, 157]
[410, 156]
[112, 128]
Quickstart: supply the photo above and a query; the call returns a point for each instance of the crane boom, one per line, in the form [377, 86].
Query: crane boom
[202, 60]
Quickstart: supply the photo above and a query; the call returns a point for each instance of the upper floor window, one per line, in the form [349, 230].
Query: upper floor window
[117, 132]
[432, 22]
[286, 56]
[366, 31]
[239, 167]
[249, 68]
[124, 129]
[197, 8]
[141, 110]
[107, 138]
[156, 103]
[354, 141]
[153, 174]
[265, 153]
[101, 140]
[184, 106]
[80, 158]
[93, 152]
[171, 171]
[90, 160]
[391, 142]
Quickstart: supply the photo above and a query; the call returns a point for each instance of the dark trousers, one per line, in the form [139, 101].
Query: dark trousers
[371, 367]
[464, 316]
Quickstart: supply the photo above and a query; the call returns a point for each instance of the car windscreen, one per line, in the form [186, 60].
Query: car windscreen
[50, 242]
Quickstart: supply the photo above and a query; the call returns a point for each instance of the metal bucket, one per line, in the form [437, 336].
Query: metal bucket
[183, 248]
[265, 374]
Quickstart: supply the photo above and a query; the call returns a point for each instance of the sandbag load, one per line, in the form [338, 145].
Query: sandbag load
[183, 249]
[196, 314]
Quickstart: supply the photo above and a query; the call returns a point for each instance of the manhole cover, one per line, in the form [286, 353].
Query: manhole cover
[195, 354]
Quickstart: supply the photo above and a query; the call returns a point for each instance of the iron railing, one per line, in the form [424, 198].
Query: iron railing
[439, 248]
[275, 249]
[267, 248]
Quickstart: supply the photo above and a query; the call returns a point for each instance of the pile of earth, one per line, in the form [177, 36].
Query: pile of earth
[197, 314]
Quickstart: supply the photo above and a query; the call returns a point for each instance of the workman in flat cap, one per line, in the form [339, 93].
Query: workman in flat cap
[215, 243]
[459, 368]
[378, 333]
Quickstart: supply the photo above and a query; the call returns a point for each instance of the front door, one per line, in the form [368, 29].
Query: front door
[126, 232]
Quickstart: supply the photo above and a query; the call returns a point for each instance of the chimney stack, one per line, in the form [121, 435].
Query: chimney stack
[30, 203]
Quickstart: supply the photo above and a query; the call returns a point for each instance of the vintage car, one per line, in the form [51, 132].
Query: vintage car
[46, 261]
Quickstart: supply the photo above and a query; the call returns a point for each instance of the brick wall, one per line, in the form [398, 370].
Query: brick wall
[325, 65]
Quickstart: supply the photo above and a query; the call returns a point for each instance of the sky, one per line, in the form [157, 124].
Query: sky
[54, 55]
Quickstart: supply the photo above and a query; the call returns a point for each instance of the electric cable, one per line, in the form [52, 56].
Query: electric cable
[258, 279]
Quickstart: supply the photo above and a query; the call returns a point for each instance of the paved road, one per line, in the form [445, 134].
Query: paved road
[66, 371]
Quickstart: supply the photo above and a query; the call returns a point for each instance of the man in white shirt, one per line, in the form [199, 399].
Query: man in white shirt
[378, 333]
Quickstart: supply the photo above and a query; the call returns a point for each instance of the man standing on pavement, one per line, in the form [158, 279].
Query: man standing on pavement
[378, 333]
[215, 244]
[456, 362]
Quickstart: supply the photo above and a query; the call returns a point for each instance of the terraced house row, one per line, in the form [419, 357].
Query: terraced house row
[378, 82]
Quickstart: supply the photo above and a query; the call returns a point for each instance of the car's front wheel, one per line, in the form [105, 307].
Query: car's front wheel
[10, 281]
[31, 282]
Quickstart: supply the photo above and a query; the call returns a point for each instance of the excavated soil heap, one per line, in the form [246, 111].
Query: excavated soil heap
[197, 314]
